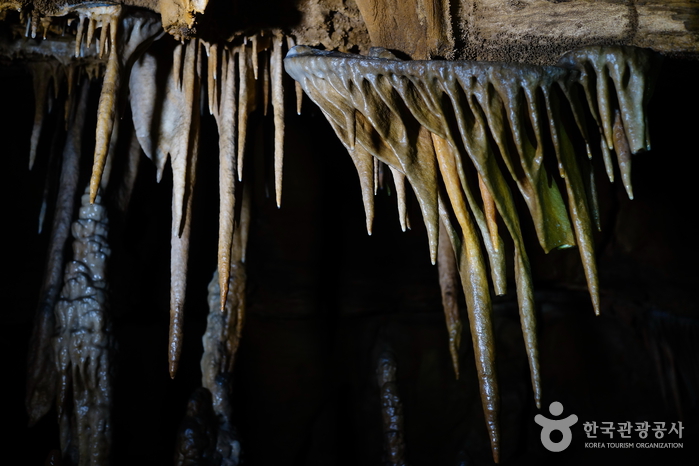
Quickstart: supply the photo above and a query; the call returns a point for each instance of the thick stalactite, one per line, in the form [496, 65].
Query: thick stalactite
[465, 135]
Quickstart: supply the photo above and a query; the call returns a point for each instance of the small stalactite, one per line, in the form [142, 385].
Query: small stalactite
[448, 274]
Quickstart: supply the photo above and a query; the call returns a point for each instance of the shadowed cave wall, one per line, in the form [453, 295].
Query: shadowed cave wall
[324, 299]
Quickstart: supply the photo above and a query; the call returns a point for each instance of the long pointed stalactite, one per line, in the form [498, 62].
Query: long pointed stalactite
[183, 157]
[445, 123]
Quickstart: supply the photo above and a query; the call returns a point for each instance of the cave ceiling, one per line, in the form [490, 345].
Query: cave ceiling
[493, 144]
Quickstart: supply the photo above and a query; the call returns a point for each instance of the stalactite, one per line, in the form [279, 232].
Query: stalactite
[245, 213]
[234, 97]
[459, 194]
[474, 282]
[135, 32]
[364, 163]
[621, 147]
[255, 58]
[226, 114]
[291, 43]
[41, 74]
[277, 72]
[79, 35]
[265, 85]
[243, 105]
[106, 112]
[376, 175]
[447, 283]
[616, 78]
[184, 160]
[399, 182]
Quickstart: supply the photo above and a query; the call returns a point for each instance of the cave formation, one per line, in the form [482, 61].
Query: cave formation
[327, 309]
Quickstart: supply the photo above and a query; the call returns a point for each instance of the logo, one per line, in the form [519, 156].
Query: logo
[562, 425]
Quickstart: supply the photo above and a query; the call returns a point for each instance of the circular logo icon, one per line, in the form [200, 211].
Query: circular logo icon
[562, 425]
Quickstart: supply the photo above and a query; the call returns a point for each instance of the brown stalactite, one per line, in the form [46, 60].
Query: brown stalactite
[134, 33]
[244, 99]
[621, 147]
[277, 73]
[577, 198]
[399, 182]
[448, 274]
[364, 163]
[474, 282]
[106, 113]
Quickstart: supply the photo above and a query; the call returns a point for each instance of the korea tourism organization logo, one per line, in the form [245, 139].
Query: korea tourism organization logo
[620, 434]
[561, 425]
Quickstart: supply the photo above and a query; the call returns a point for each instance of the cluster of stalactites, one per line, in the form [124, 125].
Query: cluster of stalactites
[230, 81]
[237, 79]
[70, 357]
[444, 125]
[617, 83]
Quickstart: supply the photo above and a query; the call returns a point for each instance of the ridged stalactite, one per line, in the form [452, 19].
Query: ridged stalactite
[450, 126]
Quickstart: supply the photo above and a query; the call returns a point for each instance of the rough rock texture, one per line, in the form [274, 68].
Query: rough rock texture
[333, 24]
[391, 410]
[84, 343]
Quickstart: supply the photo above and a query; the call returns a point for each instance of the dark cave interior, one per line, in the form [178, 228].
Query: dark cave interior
[324, 298]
